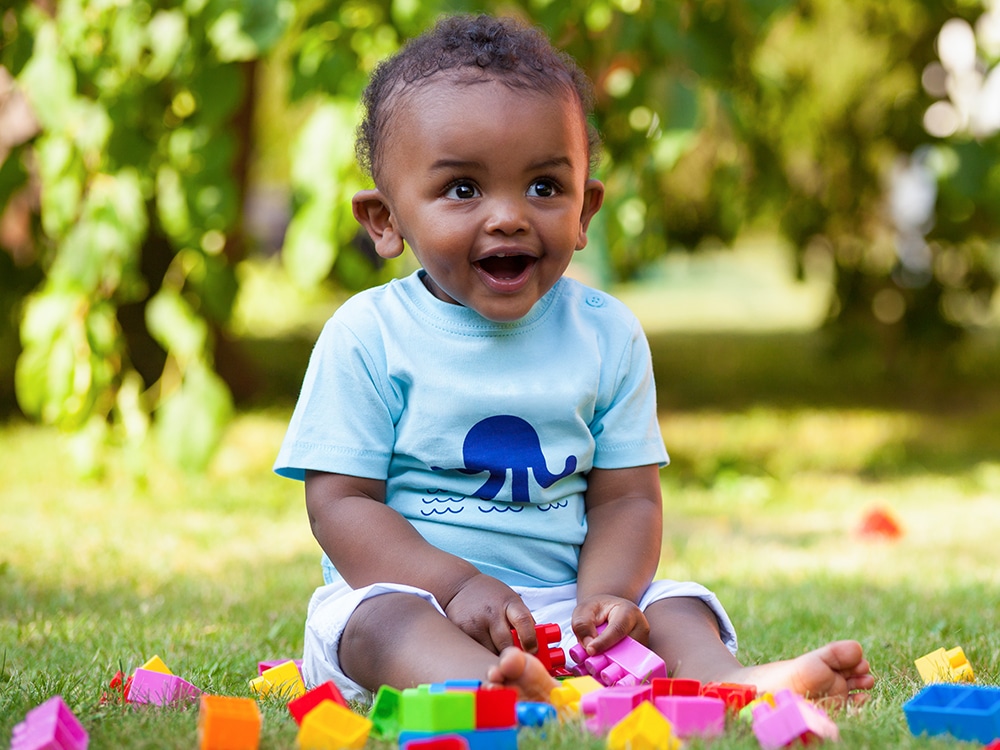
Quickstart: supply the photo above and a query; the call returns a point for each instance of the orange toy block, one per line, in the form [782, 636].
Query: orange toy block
[226, 723]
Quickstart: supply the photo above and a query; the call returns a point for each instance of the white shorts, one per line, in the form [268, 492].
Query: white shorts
[331, 607]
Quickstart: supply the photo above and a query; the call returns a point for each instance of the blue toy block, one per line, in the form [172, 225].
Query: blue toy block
[967, 712]
[478, 739]
[532, 714]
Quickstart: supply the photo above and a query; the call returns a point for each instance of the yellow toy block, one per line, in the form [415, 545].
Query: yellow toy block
[945, 666]
[566, 700]
[156, 665]
[226, 723]
[645, 728]
[283, 680]
[330, 726]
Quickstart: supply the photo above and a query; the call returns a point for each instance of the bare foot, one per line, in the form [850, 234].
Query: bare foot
[835, 674]
[524, 672]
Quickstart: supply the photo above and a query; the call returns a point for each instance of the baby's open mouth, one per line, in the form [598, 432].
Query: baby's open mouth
[506, 266]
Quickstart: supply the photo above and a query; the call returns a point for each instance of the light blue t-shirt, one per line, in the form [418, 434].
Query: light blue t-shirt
[484, 432]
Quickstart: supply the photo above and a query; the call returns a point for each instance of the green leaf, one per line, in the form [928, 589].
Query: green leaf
[168, 33]
[191, 422]
[175, 326]
[309, 251]
[49, 81]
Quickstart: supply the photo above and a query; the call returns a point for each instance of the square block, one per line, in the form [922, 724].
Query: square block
[284, 680]
[643, 729]
[330, 726]
[299, 707]
[227, 723]
[477, 739]
[425, 711]
[693, 715]
[496, 708]
[160, 689]
[967, 712]
[50, 725]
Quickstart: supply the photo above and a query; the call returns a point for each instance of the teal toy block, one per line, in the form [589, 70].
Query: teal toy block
[384, 714]
[477, 739]
[423, 710]
[966, 712]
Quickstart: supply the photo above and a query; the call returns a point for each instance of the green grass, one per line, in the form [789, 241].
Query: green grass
[780, 442]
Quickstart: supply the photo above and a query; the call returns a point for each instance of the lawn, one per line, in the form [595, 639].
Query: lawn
[780, 444]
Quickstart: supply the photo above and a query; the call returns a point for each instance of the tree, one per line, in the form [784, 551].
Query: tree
[122, 198]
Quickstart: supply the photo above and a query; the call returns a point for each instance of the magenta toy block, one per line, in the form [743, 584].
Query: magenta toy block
[443, 742]
[299, 707]
[791, 719]
[160, 689]
[496, 708]
[263, 666]
[613, 704]
[628, 662]
[693, 715]
[553, 657]
[675, 686]
[50, 726]
[735, 695]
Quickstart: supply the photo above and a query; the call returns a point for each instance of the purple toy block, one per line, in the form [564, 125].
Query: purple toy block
[628, 662]
[263, 666]
[161, 689]
[791, 719]
[50, 726]
[693, 715]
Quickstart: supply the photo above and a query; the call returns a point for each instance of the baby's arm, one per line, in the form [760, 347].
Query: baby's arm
[369, 542]
[619, 557]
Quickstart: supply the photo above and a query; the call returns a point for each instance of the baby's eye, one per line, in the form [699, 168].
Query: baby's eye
[462, 191]
[543, 189]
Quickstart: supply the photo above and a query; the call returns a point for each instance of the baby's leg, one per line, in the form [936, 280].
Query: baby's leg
[401, 640]
[685, 633]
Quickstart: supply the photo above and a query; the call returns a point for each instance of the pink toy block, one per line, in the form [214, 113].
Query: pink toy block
[299, 707]
[496, 708]
[734, 694]
[553, 657]
[693, 715]
[675, 686]
[628, 662]
[443, 742]
[791, 719]
[605, 708]
[160, 689]
[263, 666]
[50, 726]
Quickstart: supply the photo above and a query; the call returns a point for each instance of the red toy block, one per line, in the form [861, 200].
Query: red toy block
[299, 707]
[553, 657]
[735, 695]
[444, 742]
[879, 523]
[663, 686]
[119, 688]
[496, 708]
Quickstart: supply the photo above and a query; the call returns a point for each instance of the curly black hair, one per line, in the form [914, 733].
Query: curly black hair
[476, 47]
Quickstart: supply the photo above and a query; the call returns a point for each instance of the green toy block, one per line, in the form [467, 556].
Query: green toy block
[449, 711]
[385, 712]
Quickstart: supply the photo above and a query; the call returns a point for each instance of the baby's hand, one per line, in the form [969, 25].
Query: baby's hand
[622, 616]
[486, 609]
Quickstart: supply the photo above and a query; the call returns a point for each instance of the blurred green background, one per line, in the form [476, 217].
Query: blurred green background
[819, 167]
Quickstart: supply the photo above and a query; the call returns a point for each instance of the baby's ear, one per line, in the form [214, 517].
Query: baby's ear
[593, 197]
[372, 211]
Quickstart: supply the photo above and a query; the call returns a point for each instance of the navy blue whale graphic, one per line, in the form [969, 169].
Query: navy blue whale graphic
[506, 443]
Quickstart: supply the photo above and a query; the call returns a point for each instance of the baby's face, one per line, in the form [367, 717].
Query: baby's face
[489, 187]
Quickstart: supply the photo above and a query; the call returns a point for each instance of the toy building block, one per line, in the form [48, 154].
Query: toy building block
[995, 745]
[477, 739]
[227, 723]
[155, 664]
[118, 689]
[746, 713]
[643, 729]
[284, 680]
[553, 657]
[422, 710]
[878, 522]
[160, 689]
[263, 666]
[792, 719]
[384, 713]
[533, 714]
[442, 742]
[496, 708]
[50, 726]
[628, 662]
[693, 715]
[299, 707]
[675, 686]
[945, 666]
[967, 712]
[735, 695]
[330, 726]
[605, 708]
